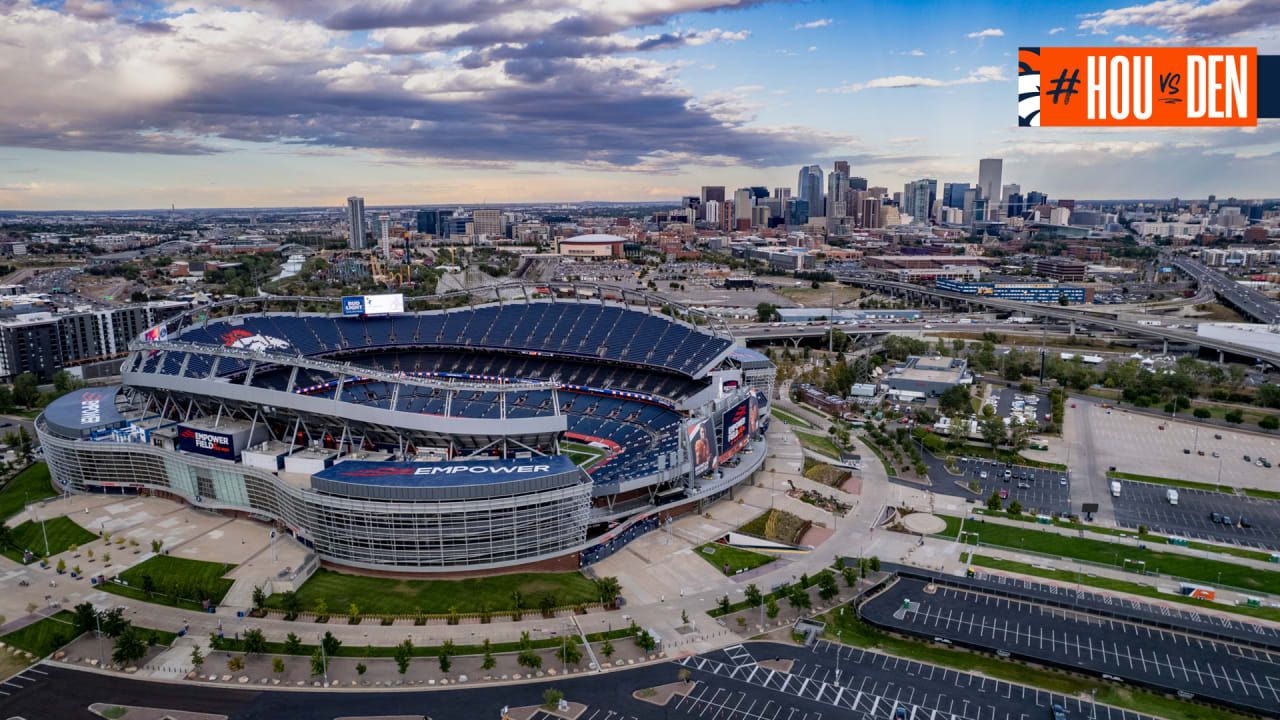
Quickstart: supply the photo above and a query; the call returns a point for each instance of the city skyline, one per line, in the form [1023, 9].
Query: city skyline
[275, 103]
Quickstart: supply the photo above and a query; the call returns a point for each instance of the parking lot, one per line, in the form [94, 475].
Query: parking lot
[1146, 504]
[1009, 400]
[1044, 490]
[1136, 652]
[1135, 443]
[845, 682]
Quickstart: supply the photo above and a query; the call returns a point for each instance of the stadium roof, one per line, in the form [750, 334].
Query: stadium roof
[594, 239]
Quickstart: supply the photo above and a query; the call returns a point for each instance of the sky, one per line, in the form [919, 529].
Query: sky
[136, 104]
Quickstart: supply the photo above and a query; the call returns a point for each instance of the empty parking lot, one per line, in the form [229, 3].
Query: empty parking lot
[1137, 652]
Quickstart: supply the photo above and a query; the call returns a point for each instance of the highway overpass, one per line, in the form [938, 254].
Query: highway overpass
[1065, 313]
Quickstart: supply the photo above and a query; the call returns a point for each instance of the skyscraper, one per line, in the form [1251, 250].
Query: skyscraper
[837, 183]
[917, 199]
[712, 192]
[489, 223]
[842, 166]
[355, 223]
[711, 211]
[953, 194]
[743, 200]
[989, 170]
[782, 193]
[858, 183]
[809, 188]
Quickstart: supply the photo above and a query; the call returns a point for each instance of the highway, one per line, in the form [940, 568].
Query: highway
[1245, 299]
[1065, 313]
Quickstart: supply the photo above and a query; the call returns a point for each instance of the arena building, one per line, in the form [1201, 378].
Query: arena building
[591, 246]
[533, 427]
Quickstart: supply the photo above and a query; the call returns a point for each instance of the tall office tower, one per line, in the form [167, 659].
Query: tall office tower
[1035, 197]
[842, 166]
[426, 222]
[953, 194]
[1014, 205]
[809, 188]
[970, 199]
[869, 213]
[384, 221]
[711, 211]
[858, 183]
[355, 223]
[837, 183]
[758, 192]
[712, 192]
[760, 216]
[917, 199]
[782, 193]
[797, 212]
[489, 222]
[989, 183]
[742, 202]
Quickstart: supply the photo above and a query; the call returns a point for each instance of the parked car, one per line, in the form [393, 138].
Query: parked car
[1217, 436]
[1024, 486]
[1217, 454]
[1059, 713]
[1062, 480]
[1244, 522]
[1226, 520]
[1248, 459]
[1186, 451]
[983, 475]
[1004, 494]
[1216, 518]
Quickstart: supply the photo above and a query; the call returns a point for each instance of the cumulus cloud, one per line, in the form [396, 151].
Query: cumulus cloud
[986, 73]
[1190, 19]
[1127, 39]
[812, 24]
[1056, 30]
[989, 32]
[463, 90]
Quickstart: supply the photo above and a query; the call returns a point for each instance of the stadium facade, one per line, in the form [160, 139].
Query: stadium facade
[539, 426]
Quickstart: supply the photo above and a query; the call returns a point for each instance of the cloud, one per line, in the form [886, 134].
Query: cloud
[913, 53]
[813, 24]
[986, 73]
[1056, 30]
[989, 32]
[1196, 21]
[812, 48]
[1127, 39]
[208, 79]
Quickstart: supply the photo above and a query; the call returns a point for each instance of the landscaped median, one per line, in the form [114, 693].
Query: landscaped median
[60, 533]
[173, 581]
[28, 486]
[1011, 537]
[732, 560]
[1192, 485]
[1124, 586]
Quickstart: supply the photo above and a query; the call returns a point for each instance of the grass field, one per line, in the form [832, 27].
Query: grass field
[819, 443]
[807, 296]
[736, 558]
[790, 418]
[392, 596]
[43, 637]
[165, 571]
[1124, 586]
[582, 455]
[853, 631]
[1107, 553]
[62, 532]
[27, 486]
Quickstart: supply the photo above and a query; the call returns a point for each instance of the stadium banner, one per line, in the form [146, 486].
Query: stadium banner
[702, 438]
[737, 428]
[753, 426]
[434, 473]
[205, 442]
[373, 304]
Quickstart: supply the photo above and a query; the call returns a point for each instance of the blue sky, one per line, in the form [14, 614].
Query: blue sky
[108, 105]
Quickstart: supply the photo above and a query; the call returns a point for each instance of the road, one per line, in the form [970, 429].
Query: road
[1248, 301]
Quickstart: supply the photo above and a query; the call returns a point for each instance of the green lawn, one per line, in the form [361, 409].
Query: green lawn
[179, 582]
[62, 533]
[820, 443]
[393, 596]
[1265, 613]
[1107, 553]
[27, 486]
[736, 558]
[43, 637]
[582, 455]
[853, 631]
[791, 418]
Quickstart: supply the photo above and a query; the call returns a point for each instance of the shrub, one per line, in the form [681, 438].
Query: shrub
[1202, 413]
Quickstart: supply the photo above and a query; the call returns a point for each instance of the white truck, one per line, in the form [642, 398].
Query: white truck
[1171, 495]
[1115, 488]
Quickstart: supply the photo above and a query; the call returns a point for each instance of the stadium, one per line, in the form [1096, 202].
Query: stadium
[533, 427]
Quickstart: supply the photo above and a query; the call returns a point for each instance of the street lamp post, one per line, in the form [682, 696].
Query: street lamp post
[97, 622]
[324, 660]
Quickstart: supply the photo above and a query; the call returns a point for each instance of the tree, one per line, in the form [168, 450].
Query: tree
[955, 399]
[568, 652]
[875, 563]
[993, 430]
[197, 658]
[827, 587]
[255, 642]
[645, 641]
[489, 661]
[753, 595]
[608, 588]
[798, 598]
[551, 698]
[353, 612]
[957, 347]
[277, 665]
[84, 617]
[1202, 413]
[1063, 301]
[130, 646]
[547, 604]
[993, 502]
[156, 545]
[235, 663]
[1234, 416]
[529, 659]
[26, 390]
[259, 597]
[850, 576]
[607, 649]
[321, 608]
[62, 565]
[1269, 422]
[771, 609]
[330, 643]
[317, 662]
[684, 675]
[292, 644]
[724, 604]
[1019, 435]
[765, 312]
[112, 622]
[1015, 508]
